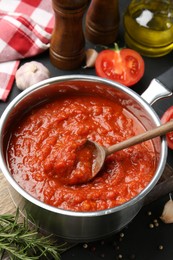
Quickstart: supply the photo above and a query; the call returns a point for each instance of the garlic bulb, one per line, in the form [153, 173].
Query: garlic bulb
[167, 214]
[31, 73]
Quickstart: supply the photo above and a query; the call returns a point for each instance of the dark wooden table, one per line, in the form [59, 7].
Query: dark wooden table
[137, 240]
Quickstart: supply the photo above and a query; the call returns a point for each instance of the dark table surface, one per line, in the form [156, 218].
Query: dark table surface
[137, 240]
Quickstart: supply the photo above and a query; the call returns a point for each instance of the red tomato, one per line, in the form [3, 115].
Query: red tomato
[167, 116]
[125, 66]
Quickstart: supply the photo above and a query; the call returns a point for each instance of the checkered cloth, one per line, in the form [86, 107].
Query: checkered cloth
[25, 30]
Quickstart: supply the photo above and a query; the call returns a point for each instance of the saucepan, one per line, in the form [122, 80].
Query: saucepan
[71, 225]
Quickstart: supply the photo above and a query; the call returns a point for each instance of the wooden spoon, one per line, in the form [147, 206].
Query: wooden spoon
[100, 152]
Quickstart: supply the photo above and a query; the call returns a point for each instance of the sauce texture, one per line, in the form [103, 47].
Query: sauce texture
[45, 160]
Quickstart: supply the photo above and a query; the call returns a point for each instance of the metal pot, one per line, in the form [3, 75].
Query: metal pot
[81, 226]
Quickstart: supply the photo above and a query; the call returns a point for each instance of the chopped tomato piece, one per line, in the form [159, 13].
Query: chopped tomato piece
[125, 66]
[167, 116]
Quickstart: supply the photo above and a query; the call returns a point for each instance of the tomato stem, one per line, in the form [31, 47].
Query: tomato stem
[116, 47]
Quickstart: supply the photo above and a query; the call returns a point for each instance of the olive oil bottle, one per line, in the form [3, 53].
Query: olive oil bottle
[149, 27]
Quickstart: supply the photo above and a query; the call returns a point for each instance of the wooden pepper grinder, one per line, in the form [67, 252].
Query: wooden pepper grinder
[67, 44]
[102, 21]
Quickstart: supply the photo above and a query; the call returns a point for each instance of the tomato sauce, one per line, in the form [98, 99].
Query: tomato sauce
[44, 154]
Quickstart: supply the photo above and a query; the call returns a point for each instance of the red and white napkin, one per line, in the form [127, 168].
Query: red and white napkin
[25, 31]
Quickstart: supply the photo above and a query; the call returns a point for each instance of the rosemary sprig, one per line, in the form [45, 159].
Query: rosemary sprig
[19, 240]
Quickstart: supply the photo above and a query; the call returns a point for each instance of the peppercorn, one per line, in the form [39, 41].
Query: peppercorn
[151, 225]
[160, 247]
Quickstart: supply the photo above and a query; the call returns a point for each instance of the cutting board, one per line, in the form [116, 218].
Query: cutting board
[164, 186]
[6, 203]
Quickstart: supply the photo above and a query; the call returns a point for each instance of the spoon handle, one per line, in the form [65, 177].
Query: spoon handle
[158, 131]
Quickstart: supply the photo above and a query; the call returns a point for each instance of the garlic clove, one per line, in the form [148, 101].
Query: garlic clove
[167, 214]
[91, 56]
[31, 73]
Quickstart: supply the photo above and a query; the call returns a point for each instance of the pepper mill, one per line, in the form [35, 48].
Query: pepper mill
[102, 21]
[67, 46]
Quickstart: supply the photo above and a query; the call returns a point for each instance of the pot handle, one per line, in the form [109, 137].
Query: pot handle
[159, 87]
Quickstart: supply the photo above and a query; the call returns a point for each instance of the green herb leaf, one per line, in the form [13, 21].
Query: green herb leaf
[19, 240]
